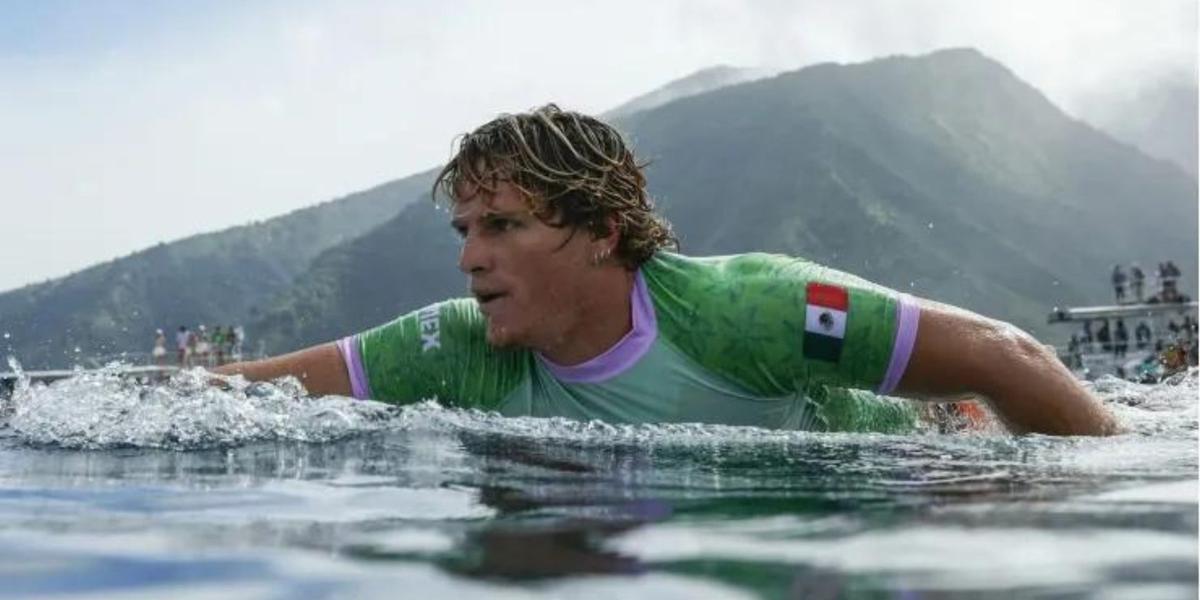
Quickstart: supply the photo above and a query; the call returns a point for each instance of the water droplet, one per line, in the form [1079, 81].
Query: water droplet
[77, 350]
[6, 335]
[931, 224]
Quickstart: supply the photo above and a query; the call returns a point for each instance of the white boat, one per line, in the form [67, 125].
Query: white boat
[1152, 331]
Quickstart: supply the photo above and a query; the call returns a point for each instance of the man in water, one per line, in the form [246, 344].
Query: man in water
[582, 310]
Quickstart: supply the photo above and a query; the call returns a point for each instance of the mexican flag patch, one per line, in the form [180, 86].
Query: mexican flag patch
[825, 321]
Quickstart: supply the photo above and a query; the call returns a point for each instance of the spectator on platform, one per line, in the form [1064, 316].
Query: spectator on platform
[1122, 339]
[218, 345]
[183, 342]
[239, 338]
[203, 348]
[1138, 281]
[1118, 280]
[1076, 360]
[193, 344]
[1168, 275]
[1143, 335]
[231, 341]
[1104, 338]
[160, 348]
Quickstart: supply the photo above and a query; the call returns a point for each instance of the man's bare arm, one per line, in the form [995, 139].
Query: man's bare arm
[959, 352]
[319, 368]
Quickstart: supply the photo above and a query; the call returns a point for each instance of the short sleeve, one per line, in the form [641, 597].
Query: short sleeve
[778, 324]
[438, 352]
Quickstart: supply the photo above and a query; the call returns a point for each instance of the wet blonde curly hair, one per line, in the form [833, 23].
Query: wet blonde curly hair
[573, 170]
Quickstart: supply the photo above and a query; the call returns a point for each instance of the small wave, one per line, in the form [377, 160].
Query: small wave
[196, 409]
[193, 409]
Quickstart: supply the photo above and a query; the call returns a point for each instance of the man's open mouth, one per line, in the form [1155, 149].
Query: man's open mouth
[485, 297]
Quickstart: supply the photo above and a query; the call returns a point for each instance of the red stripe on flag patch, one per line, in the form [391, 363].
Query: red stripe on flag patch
[829, 296]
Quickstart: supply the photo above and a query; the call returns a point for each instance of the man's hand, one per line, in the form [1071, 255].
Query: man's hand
[958, 352]
[319, 368]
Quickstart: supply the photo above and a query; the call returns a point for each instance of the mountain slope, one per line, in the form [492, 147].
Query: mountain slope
[214, 278]
[942, 175]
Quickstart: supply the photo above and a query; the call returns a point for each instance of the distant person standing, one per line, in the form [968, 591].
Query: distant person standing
[218, 345]
[230, 341]
[202, 346]
[239, 338]
[1073, 352]
[1170, 282]
[1138, 279]
[160, 348]
[1143, 335]
[183, 345]
[1122, 339]
[193, 343]
[1103, 336]
[1118, 281]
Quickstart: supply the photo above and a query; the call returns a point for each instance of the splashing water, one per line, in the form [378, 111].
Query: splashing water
[197, 409]
[193, 409]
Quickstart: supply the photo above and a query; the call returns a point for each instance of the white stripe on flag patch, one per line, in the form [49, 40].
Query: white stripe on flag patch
[825, 321]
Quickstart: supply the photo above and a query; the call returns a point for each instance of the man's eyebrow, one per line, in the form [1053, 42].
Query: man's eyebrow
[503, 214]
[461, 222]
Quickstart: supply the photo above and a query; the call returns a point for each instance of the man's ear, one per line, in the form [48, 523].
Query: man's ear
[607, 244]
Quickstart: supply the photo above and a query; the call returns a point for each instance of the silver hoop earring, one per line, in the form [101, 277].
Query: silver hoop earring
[601, 256]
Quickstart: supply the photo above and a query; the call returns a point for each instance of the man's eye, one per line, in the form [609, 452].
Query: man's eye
[501, 224]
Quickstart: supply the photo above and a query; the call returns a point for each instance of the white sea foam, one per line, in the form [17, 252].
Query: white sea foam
[102, 409]
[193, 409]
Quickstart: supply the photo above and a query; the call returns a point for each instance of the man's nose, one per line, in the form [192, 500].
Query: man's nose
[474, 256]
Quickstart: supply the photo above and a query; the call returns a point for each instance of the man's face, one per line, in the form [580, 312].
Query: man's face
[528, 277]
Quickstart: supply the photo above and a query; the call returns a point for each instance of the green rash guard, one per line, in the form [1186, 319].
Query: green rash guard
[752, 339]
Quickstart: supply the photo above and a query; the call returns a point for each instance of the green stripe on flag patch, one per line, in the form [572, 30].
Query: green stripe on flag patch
[822, 347]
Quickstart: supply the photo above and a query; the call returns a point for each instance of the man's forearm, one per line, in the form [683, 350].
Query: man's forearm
[1033, 392]
[319, 368]
[957, 352]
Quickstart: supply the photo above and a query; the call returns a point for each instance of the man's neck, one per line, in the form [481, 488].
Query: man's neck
[603, 318]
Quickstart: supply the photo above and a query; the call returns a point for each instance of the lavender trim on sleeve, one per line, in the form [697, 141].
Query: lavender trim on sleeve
[908, 315]
[354, 367]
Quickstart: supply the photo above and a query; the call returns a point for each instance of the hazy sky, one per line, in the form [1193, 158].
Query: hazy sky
[124, 123]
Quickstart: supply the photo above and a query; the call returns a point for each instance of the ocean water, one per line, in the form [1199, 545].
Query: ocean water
[111, 488]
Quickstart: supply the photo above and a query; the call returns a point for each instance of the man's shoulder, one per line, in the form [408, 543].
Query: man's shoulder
[739, 274]
[670, 264]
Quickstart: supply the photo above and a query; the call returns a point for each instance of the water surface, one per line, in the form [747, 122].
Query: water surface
[114, 489]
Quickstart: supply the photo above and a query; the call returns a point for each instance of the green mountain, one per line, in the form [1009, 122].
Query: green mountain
[942, 175]
[224, 277]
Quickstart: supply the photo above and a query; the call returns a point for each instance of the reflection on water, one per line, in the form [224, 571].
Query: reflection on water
[114, 489]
